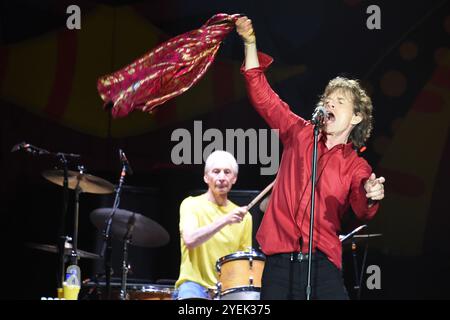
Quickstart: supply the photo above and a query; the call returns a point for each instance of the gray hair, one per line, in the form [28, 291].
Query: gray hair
[220, 154]
[362, 105]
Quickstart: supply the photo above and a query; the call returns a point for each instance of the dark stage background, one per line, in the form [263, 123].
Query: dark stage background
[48, 98]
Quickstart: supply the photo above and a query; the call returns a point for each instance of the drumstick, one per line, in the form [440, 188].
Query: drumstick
[259, 196]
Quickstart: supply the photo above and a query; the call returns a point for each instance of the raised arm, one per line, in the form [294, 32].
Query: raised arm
[266, 102]
[245, 29]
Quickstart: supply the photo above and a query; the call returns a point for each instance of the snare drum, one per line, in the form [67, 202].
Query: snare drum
[239, 275]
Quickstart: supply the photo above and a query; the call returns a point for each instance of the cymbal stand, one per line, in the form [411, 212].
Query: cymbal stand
[106, 252]
[357, 285]
[62, 238]
[74, 253]
[125, 265]
[363, 265]
[61, 241]
[355, 266]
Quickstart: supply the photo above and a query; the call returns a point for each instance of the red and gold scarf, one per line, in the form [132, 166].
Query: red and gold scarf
[166, 71]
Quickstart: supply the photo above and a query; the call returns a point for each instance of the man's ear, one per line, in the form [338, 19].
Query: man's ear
[233, 181]
[356, 118]
[205, 178]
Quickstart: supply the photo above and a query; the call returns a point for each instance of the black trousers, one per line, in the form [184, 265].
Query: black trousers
[285, 278]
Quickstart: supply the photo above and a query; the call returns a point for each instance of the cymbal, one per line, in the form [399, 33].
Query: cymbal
[67, 250]
[88, 183]
[362, 237]
[146, 232]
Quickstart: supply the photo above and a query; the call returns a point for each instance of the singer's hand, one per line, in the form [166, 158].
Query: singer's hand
[245, 29]
[374, 187]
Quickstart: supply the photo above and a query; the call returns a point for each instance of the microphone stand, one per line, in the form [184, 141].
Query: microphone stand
[107, 244]
[311, 222]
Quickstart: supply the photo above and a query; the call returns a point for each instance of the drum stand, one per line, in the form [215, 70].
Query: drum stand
[61, 243]
[125, 265]
[358, 281]
[74, 254]
[356, 286]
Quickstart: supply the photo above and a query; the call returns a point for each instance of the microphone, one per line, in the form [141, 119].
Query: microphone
[28, 148]
[125, 162]
[20, 146]
[319, 115]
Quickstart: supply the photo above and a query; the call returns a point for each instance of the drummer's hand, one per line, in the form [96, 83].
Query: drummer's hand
[237, 215]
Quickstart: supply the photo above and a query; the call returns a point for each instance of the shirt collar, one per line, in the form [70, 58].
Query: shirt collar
[347, 148]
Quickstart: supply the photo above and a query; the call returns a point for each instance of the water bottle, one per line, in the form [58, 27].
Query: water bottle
[72, 284]
[73, 275]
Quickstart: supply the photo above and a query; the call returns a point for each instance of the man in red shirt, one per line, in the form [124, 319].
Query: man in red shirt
[344, 180]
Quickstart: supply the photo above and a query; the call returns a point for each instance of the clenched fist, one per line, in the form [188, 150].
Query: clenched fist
[244, 28]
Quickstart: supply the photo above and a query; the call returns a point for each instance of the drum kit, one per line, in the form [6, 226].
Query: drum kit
[239, 273]
[133, 228]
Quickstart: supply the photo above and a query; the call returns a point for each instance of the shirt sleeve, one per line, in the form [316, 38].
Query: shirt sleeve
[358, 199]
[188, 217]
[267, 103]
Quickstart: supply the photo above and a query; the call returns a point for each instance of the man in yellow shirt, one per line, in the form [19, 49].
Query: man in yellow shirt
[211, 226]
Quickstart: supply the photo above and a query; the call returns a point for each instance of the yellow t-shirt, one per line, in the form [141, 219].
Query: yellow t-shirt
[199, 264]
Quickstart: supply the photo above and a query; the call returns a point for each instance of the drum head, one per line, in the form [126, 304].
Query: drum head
[240, 255]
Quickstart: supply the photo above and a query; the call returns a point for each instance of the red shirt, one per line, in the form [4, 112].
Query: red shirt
[341, 175]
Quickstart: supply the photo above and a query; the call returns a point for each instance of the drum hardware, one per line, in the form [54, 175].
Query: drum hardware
[145, 232]
[239, 275]
[357, 238]
[80, 182]
[62, 158]
[86, 182]
[67, 250]
[133, 229]
[125, 265]
[95, 290]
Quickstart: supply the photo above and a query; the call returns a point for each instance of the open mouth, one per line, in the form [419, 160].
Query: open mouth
[330, 117]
